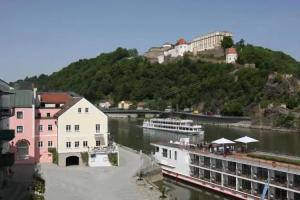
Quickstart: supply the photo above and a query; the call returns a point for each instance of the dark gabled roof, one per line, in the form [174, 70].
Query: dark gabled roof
[67, 106]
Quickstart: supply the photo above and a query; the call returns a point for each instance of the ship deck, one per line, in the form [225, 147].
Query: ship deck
[240, 157]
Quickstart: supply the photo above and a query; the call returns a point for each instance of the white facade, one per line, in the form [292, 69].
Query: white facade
[99, 160]
[105, 105]
[173, 159]
[178, 50]
[124, 105]
[231, 58]
[80, 131]
[208, 41]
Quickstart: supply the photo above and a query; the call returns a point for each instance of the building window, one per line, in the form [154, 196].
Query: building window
[97, 128]
[76, 144]
[40, 144]
[41, 128]
[19, 129]
[165, 153]
[86, 110]
[76, 128]
[50, 143]
[49, 127]
[68, 128]
[19, 115]
[68, 144]
[175, 155]
[156, 149]
[98, 143]
[48, 114]
[79, 110]
[39, 115]
[170, 154]
[85, 143]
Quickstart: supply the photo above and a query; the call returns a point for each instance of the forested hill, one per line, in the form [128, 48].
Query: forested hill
[218, 88]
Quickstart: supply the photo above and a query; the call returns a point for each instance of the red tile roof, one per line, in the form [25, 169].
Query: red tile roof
[231, 51]
[181, 41]
[55, 97]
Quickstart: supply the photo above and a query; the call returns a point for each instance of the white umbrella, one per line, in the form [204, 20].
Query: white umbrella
[246, 140]
[222, 141]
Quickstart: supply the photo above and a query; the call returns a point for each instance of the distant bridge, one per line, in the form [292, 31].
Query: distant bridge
[118, 113]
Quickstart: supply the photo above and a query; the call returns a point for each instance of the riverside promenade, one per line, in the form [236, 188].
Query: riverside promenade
[98, 183]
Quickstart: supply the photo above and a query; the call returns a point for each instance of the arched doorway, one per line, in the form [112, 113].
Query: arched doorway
[72, 160]
[22, 149]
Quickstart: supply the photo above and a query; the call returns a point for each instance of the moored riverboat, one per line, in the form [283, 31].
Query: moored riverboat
[230, 170]
[173, 125]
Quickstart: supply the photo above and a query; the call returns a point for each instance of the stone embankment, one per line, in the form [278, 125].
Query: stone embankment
[248, 125]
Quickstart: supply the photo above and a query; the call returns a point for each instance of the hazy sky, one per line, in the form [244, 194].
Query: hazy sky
[44, 36]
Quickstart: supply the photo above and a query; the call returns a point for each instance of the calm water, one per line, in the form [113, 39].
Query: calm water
[128, 132]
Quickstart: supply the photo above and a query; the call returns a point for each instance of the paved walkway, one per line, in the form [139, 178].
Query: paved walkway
[99, 183]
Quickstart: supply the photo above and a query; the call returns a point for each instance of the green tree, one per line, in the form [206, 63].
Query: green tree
[227, 42]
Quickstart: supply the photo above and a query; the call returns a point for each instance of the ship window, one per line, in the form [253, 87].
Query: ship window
[156, 149]
[165, 153]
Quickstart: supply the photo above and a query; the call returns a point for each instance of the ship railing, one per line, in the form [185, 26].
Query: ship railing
[230, 171]
[278, 182]
[245, 190]
[195, 162]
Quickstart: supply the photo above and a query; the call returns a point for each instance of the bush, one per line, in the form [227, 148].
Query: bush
[113, 159]
[37, 197]
[54, 155]
[85, 157]
[39, 187]
[286, 121]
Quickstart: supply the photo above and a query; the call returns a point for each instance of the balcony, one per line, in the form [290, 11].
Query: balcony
[194, 162]
[7, 160]
[6, 112]
[7, 135]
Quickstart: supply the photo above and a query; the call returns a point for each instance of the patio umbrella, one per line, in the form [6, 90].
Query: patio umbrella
[222, 141]
[246, 140]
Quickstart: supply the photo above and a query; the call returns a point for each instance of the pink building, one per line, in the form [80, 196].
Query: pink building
[23, 122]
[48, 104]
[35, 125]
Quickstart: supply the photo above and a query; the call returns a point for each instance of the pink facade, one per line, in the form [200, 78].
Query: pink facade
[46, 133]
[24, 142]
[35, 127]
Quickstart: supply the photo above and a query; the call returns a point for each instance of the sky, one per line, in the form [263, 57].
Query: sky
[44, 36]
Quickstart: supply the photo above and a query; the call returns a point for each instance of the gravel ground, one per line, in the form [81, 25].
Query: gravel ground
[98, 183]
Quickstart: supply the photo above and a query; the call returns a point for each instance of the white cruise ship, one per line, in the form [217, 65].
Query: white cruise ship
[173, 125]
[233, 173]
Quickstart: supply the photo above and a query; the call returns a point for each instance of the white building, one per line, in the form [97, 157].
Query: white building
[124, 105]
[104, 104]
[81, 127]
[208, 41]
[231, 55]
[179, 49]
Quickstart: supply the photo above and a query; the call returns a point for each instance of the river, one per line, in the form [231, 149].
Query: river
[128, 132]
